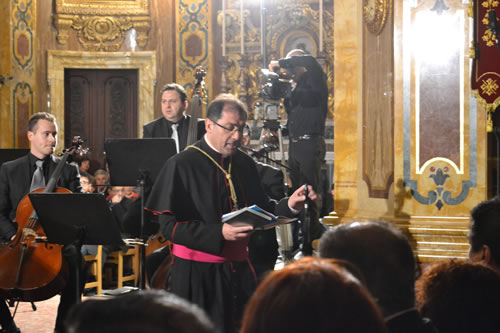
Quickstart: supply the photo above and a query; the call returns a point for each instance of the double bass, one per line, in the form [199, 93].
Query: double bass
[159, 279]
[31, 269]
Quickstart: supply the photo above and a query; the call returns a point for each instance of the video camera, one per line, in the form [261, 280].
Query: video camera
[274, 87]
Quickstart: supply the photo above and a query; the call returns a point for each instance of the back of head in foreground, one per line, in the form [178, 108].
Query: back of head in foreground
[484, 236]
[311, 295]
[151, 311]
[384, 257]
[460, 297]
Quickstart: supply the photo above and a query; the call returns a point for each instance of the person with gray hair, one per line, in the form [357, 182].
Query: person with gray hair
[384, 257]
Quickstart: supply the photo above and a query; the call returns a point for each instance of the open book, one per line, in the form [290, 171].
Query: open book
[256, 217]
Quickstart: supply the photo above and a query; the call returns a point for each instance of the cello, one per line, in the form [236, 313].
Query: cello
[31, 269]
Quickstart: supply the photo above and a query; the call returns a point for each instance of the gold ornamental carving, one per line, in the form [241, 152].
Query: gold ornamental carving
[102, 25]
[375, 13]
[290, 25]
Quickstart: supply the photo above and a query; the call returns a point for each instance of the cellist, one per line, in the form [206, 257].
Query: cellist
[23, 175]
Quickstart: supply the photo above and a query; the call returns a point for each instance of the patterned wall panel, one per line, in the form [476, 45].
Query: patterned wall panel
[193, 41]
[378, 107]
[23, 20]
[439, 119]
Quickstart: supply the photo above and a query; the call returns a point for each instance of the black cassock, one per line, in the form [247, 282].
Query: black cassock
[191, 194]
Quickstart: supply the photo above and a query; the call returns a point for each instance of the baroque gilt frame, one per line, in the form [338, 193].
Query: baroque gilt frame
[102, 25]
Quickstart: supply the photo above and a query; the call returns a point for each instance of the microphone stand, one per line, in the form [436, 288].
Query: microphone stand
[257, 153]
[306, 234]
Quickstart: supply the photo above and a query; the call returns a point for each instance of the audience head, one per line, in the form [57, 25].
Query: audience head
[128, 192]
[86, 182]
[484, 236]
[460, 297]
[151, 311]
[101, 179]
[383, 255]
[84, 164]
[246, 136]
[173, 101]
[226, 117]
[311, 295]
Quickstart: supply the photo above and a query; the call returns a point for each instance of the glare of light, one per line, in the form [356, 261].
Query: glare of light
[437, 38]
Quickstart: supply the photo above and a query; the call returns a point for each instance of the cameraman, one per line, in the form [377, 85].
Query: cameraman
[306, 107]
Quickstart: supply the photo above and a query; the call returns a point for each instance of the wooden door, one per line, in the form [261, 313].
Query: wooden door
[100, 104]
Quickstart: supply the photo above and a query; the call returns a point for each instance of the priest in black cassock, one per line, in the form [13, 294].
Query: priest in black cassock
[193, 190]
[174, 123]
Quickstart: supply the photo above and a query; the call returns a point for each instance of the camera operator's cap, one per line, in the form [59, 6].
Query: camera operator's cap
[295, 52]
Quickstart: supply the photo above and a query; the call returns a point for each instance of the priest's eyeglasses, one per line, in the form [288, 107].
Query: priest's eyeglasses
[231, 128]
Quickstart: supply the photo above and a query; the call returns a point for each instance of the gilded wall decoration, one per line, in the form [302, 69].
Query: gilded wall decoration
[23, 20]
[193, 41]
[102, 25]
[288, 26]
[376, 13]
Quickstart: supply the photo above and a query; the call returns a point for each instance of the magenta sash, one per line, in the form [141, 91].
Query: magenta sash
[233, 251]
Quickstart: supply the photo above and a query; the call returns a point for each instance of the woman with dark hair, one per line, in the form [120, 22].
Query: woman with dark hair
[312, 295]
[460, 297]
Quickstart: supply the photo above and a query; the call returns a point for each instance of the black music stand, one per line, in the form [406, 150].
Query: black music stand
[7, 155]
[135, 162]
[81, 218]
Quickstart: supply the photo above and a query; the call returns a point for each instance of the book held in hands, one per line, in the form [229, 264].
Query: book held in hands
[256, 217]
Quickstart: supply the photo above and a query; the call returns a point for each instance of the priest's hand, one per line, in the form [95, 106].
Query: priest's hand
[232, 233]
[297, 199]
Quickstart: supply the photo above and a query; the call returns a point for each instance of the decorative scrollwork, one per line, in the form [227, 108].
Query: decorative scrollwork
[102, 26]
[375, 13]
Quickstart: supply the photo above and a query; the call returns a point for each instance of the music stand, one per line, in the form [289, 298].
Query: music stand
[133, 162]
[7, 155]
[82, 218]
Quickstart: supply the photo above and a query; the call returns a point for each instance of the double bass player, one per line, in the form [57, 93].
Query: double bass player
[18, 178]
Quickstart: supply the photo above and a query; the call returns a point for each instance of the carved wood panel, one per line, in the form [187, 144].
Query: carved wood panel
[100, 104]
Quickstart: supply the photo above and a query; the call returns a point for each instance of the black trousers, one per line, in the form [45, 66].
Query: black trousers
[305, 158]
[5, 316]
[71, 294]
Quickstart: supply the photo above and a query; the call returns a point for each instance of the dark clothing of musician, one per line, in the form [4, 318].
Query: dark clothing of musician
[162, 128]
[15, 181]
[307, 107]
[263, 246]
[191, 194]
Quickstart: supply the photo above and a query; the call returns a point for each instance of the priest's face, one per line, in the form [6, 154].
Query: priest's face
[225, 134]
[172, 106]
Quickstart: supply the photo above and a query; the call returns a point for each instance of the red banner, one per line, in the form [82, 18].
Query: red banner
[485, 74]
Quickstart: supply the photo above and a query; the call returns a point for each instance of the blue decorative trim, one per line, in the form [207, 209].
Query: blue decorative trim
[438, 196]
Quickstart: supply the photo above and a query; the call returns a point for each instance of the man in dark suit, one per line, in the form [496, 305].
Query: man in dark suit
[16, 180]
[174, 122]
[383, 256]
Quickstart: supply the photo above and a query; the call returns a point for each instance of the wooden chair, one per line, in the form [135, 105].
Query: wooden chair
[117, 258]
[96, 269]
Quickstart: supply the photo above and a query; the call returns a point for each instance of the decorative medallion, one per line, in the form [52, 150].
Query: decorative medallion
[375, 13]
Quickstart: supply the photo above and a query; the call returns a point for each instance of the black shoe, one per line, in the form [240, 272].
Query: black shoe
[12, 328]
